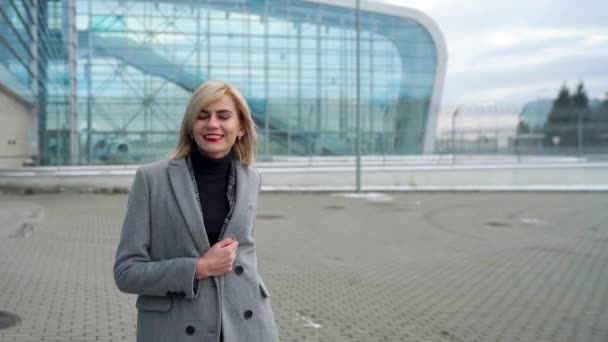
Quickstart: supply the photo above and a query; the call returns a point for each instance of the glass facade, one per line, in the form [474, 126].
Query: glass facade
[17, 40]
[137, 62]
[35, 56]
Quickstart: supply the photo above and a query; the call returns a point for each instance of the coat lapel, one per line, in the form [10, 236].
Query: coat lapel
[183, 190]
[243, 186]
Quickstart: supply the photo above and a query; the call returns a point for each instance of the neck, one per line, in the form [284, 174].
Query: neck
[206, 164]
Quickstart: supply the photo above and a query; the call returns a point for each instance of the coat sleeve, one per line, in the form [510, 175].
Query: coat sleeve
[259, 181]
[134, 272]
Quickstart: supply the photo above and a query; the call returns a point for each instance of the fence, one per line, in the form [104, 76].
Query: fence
[472, 132]
[465, 134]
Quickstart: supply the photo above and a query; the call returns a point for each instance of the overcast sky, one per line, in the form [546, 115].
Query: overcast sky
[510, 52]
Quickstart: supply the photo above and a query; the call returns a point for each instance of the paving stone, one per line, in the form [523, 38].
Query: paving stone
[424, 267]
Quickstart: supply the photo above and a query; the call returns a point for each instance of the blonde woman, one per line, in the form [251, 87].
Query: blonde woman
[187, 246]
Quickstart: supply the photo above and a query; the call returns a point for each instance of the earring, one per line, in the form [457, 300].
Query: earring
[191, 136]
[239, 138]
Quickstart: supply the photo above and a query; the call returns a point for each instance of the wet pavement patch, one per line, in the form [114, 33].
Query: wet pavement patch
[8, 319]
[24, 231]
[497, 224]
[270, 217]
[381, 204]
[447, 335]
[334, 207]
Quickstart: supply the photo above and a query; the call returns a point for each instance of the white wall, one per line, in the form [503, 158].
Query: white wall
[526, 177]
[16, 130]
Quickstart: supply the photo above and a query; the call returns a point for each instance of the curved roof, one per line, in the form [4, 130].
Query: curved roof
[433, 30]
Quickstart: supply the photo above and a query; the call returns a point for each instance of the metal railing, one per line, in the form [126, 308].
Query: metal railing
[465, 135]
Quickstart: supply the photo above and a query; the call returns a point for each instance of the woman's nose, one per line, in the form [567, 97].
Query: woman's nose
[213, 121]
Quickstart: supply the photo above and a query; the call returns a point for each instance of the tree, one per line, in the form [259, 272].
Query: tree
[568, 118]
[563, 98]
[580, 99]
[599, 121]
[560, 119]
[523, 128]
[600, 114]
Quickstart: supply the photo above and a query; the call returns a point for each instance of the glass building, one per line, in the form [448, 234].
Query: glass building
[110, 80]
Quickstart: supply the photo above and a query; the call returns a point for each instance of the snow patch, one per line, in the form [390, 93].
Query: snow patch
[307, 322]
[370, 196]
[534, 221]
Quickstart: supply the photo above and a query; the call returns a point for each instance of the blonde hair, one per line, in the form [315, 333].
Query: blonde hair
[244, 149]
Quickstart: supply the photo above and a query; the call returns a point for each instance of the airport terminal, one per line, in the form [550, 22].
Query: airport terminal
[368, 229]
[87, 82]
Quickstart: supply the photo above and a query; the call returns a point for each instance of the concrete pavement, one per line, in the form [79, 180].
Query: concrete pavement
[401, 267]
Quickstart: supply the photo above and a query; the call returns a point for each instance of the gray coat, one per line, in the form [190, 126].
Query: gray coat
[163, 235]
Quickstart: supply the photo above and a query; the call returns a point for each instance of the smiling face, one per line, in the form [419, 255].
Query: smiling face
[217, 127]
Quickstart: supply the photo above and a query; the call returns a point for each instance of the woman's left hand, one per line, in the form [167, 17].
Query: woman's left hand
[218, 259]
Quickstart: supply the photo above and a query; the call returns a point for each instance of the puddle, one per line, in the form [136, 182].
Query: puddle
[270, 217]
[8, 320]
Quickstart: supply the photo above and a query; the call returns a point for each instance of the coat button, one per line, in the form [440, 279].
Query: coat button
[189, 330]
[238, 270]
[248, 314]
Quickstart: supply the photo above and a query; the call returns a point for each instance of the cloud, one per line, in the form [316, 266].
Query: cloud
[519, 82]
[505, 51]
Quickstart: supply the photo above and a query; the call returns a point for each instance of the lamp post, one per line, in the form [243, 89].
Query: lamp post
[517, 137]
[539, 98]
[453, 134]
[579, 133]
[358, 101]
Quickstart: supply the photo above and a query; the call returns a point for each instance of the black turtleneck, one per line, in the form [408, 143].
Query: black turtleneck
[212, 180]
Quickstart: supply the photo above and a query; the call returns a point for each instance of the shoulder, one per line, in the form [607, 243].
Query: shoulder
[252, 174]
[156, 167]
[154, 175]
[250, 170]
[156, 170]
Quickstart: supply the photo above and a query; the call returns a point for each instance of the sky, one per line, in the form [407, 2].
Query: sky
[511, 52]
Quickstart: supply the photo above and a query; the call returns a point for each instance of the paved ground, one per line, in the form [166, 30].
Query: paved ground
[423, 267]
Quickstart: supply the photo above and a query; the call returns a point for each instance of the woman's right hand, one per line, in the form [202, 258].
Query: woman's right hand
[218, 259]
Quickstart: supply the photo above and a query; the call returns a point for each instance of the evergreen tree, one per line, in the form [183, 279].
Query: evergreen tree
[563, 98]
[568, 113]
[561, 122]
[599, 121]
[580, 100]
[600, 115]
[523, 128]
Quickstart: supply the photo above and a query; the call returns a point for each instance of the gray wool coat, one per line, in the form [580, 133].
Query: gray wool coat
[163, 235]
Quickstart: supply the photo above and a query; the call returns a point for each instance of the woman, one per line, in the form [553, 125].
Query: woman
[187, 246]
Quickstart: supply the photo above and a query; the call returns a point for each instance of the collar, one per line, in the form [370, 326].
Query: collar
[206, 165]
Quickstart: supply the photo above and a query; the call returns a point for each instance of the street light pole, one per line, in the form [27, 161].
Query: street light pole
[454, 134]
[517, 137]
[358, 100]
[579, 133]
